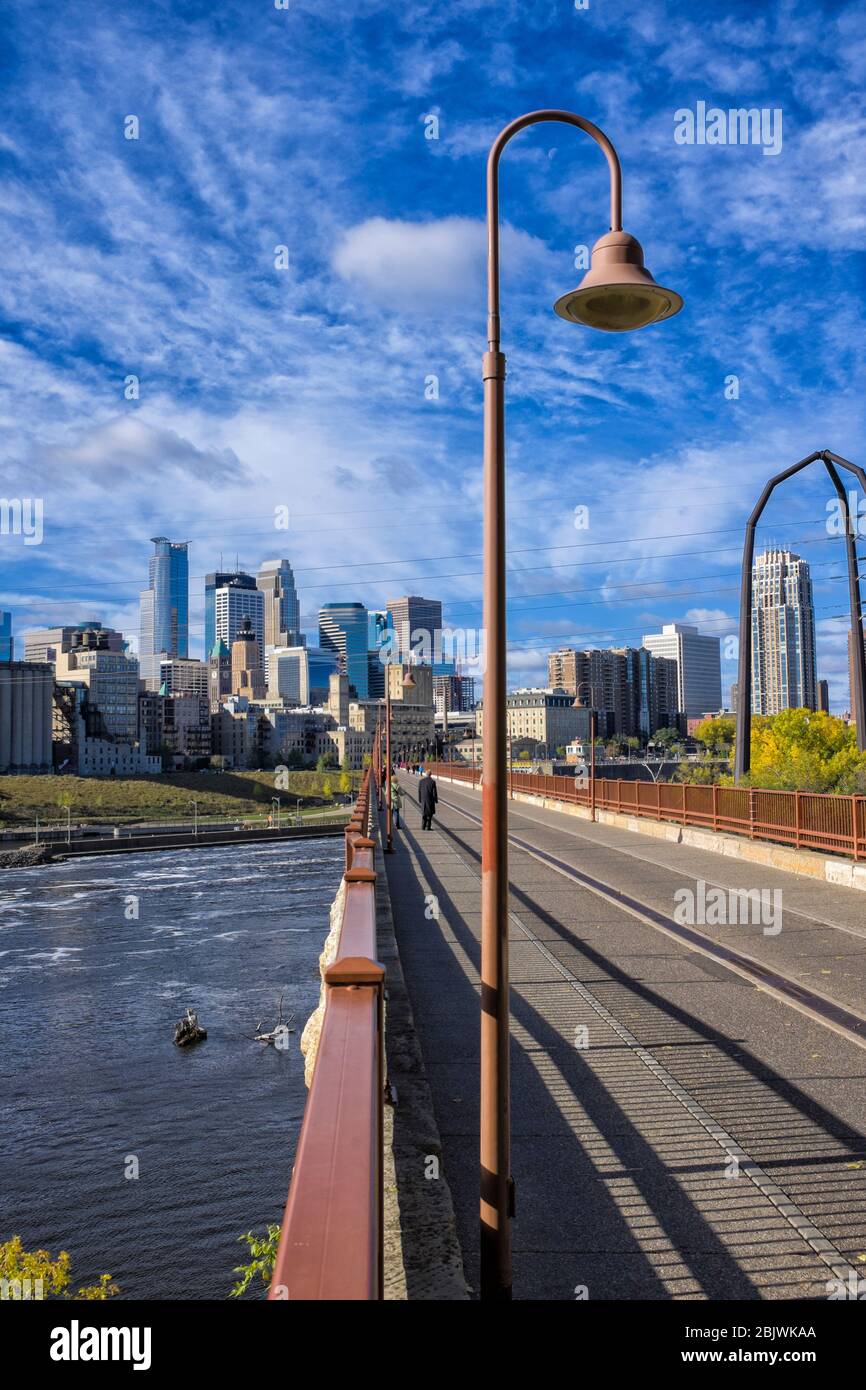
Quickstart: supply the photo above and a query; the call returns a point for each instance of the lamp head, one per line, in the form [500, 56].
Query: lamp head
[409, 681]
[618, 293]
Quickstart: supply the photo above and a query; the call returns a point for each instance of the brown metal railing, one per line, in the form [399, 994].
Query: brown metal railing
[331, 1244]
[805, 820]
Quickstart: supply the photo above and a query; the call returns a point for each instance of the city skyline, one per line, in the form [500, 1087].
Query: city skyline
[231, 595]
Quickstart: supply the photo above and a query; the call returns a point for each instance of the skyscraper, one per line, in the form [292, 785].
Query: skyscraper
[282, 622]
[343, 629]
[417, 627]
[5, 636]
[220, 579]
[232, 604]
[783, 634]
[699, 666]
[164, 629]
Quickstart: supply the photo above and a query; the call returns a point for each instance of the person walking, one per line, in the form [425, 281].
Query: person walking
[396, 801]
[427, 797]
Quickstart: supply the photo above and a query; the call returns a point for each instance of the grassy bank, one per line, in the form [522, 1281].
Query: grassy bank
[120, 800]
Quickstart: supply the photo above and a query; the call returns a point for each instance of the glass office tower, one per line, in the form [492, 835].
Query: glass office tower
[164, 629]
[343, 629]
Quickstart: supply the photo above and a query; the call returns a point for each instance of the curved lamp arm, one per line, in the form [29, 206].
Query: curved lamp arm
[502, 139]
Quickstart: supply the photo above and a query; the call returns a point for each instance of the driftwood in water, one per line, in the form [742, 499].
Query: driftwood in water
[279, 1034]
[189, 1030]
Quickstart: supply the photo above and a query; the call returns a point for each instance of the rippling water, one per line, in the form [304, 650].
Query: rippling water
[90, 1075]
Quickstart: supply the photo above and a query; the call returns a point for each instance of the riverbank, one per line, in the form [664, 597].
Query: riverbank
[126, 800]
[32, 855]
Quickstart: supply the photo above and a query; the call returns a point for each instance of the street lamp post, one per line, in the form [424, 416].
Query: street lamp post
[194, 805]
[389, 847]
[593, 731]
[68, 825]
[616, 294]
[408, 684]
[275, 802]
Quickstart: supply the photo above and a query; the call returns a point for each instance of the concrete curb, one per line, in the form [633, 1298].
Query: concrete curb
[423, 1260]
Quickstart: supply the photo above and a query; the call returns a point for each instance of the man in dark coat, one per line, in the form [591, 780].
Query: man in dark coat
[427, 797]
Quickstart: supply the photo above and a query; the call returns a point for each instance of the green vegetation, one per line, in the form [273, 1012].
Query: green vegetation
[797, 750]
[263, 1250]
[18, 1265]
[122, 800]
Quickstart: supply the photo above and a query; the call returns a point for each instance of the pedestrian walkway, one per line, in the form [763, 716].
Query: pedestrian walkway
[678, 1132]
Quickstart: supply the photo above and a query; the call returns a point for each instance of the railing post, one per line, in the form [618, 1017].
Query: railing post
[855, 826]
[715, 807]
[751, 813]
[797, 819]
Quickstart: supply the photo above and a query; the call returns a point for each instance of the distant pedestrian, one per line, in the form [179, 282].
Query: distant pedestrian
[428, 796]
[396, 802]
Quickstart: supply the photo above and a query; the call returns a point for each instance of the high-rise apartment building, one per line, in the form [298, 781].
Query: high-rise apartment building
[852, 702]
[783, 634]
[343, 630]
[651, 692]
[633, 692]
[164, 627]
[5, 636]
[699, 666]
[282, 611]
[220, 579]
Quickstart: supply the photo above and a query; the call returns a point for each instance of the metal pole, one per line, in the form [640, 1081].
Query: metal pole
[69, 825]
[389, 847]
[858, 647]
[592, 734]
[497, 1191]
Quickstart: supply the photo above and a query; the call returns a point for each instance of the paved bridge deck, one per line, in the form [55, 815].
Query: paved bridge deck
[708, 1142]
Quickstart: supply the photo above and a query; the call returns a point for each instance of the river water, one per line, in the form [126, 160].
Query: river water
[90, 1079]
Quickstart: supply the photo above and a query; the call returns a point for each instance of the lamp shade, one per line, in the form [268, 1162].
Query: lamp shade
[618, 293]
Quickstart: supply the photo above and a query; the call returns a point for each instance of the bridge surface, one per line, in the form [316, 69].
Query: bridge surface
[687, 1104]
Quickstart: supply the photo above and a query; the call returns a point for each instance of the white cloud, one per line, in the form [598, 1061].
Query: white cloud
[427, 265]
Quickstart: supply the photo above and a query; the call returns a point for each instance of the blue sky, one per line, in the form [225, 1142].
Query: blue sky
[304, 387]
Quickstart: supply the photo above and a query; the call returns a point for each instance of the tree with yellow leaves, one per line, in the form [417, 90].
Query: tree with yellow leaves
[806, 750]
[35, 1274]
